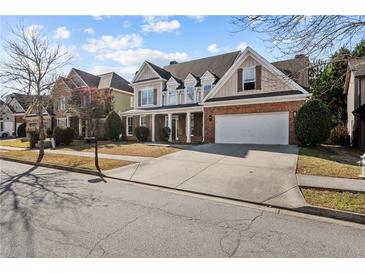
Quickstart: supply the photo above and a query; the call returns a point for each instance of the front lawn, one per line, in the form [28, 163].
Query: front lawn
[333, 161]
[131, 149]
[65, 160]
[341, 200]
[15, 143]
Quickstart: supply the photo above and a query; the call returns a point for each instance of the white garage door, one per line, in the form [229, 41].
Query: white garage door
[257, 128]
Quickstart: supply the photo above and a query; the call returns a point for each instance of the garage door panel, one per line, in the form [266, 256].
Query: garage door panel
[258, 128]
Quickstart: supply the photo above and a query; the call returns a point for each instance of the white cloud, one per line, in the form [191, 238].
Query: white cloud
[159, 24]
[132, 59]
[213, 48]
[115, 43]
[89, 31]
[33, 29]
[241, 46]
[198, 18]
[61, 33]
[100, 17]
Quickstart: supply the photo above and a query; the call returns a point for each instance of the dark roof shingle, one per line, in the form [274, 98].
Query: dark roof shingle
[357, 66]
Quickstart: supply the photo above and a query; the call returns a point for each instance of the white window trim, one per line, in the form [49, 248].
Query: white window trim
[128, 134]
[172, 90]
[243, 77]
[144, 90]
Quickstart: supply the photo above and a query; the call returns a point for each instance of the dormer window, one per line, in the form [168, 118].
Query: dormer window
[172, 97]
[190, 94]
[249, 78]
[207, 88]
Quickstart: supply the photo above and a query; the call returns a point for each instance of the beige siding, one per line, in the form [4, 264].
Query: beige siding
[121, 101]
[350, 103]
[146, 73]
[270, 82]
[362, 91]
[146, 85]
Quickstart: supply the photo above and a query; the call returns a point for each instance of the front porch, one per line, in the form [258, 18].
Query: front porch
[185, 126]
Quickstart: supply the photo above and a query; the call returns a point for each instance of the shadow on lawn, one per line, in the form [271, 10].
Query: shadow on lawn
[24, 196]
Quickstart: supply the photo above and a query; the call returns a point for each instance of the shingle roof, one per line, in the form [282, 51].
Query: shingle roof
[113, 80]
[357, 66]
[160, 71]
[218, 65]
[90, 79]
[23, 99]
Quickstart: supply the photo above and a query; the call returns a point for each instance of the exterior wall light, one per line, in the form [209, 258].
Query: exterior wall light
[294, 114]
[210, 118]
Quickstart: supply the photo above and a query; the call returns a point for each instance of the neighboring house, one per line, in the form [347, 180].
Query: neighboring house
[12, 112]
[116, 86]
[31, 116]
[237, 97]
[355, 90]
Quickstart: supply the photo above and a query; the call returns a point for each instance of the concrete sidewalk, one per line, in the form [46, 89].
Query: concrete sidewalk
[331, 182]
[12, 148]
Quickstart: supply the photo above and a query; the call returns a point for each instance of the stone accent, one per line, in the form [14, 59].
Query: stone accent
[291, 107]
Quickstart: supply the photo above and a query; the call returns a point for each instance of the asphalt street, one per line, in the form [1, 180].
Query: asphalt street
[53, 213]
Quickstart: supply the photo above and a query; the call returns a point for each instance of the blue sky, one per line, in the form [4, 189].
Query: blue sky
[121, 43]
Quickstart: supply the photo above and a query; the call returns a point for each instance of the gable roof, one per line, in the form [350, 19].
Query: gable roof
[217, 65]
[357, 66]
[160, 71]
[23, 99]
[89, 79]
[294, 85]
[113, 80]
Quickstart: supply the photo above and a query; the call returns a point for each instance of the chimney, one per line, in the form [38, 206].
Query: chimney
[173, 62]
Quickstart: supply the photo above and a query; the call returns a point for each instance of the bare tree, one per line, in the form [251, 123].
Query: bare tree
[315, 36]
[31, 67]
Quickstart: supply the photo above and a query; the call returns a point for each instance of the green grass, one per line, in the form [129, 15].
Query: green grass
[333, 161]
[340, 200]
[15, 143]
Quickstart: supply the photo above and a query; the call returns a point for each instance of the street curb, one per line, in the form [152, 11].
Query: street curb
[312, 210]
[66, 168]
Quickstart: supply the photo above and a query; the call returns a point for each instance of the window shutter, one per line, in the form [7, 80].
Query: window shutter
[239, 80]
[139, 98]
[258, 77]
[155, 96]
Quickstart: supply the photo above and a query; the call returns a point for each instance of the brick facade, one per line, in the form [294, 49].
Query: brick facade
[210, 112]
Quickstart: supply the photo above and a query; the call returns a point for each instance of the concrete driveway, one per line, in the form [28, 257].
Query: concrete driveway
[257, 173]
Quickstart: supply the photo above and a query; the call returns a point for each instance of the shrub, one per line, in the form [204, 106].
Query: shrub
[49, 132]
[313, 123]
[113, 126]
[141, 133]
[336, 133]
[63, 136]
[33, 136]
[165, 133]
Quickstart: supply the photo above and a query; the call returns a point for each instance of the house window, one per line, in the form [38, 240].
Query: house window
[61, 122]
[207, 88]
[143, 121]
[129, 125]
[147, 97]
[190, 94]
[172, 97]
[249, 79]
[62, 103]
[86, 100]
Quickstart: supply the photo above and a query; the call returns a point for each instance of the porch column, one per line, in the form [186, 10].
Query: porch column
[169, 124]
[153, 127]
[80, 127]
[67, 121]
[188, 127]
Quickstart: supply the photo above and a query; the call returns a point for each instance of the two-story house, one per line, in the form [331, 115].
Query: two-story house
[237, 97]
[12, 112]
[77, 80]
[355, 90]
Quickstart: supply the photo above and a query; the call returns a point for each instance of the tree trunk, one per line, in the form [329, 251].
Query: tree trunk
[41, 132]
